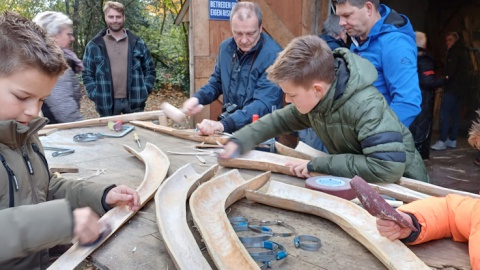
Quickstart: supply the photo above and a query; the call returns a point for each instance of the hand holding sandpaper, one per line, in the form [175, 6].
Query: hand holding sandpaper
[376, 205]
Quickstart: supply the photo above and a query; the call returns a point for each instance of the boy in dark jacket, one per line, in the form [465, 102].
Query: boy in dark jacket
[333, 94]
[39, 211]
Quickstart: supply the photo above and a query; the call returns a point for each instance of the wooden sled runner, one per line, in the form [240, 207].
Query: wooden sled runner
[170, 201]
[156, 168]
[302, 151]
[184, 134]
[407, 190]
[351, 218]
[208, 205]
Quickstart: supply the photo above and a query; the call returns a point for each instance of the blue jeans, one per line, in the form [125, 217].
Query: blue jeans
[449, 117]
[309, 137]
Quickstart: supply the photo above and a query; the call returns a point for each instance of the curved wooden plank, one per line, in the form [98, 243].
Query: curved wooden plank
[351, 218]
[264, 161]
[156, 168]
[398, 192]
[189, 134]
[302, 151]
[104, 120]
[259, 160]
[431, 189]
[171, 204]
[208, 205]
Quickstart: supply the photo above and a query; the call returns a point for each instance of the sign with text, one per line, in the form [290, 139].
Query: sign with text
[220, 10]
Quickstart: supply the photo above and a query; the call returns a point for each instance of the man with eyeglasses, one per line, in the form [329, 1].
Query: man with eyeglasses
[240, 75]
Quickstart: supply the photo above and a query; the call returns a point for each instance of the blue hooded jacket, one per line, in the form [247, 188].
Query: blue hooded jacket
[242, 79]
[391, 48]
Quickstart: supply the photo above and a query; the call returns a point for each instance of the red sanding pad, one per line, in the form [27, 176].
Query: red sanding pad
[375, 204]
[336, 186]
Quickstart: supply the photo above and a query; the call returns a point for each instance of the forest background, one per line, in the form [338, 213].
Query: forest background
[151, 20]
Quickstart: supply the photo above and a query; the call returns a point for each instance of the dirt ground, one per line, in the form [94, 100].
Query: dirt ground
[172, 96]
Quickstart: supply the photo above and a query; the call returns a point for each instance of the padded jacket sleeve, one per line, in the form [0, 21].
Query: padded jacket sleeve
[453, 216]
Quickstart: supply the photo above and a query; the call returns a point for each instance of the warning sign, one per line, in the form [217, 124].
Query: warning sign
[220, 10]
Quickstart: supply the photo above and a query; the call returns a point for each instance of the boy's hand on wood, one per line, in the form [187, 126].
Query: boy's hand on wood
[299, 168]
[229, 151]
[85, 225]
[123, 195]
[392, 230]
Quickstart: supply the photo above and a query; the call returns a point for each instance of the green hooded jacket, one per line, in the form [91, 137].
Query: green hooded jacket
[360, 131]
[36, 208]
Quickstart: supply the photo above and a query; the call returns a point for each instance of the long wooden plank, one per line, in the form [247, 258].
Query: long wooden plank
[431, 189]
[104, 120]
[183, 134]
[171, 204]
[208, 205]
[156, 168]
[351, 218]
[274, 25]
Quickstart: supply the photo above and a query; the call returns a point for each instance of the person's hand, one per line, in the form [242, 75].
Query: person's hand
[299, 168]
[123, 195]
[85, 225]
[391, 230]
[191, 106]
[209, 127]
[229, 151]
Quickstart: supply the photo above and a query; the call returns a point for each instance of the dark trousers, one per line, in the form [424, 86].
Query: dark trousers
[421, 128]
[120, 105]
[449, 117]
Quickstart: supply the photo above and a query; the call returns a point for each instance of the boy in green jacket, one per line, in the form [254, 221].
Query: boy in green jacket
[39, 211]
[333, 94]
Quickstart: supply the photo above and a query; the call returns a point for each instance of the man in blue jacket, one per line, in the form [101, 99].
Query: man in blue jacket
[387, 40]
[240, 75]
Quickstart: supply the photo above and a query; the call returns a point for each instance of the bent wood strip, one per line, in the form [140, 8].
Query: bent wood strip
[208, 205]
[264, 161]
[302, 151]
[171, 203]
[104, 120]
[351, 218]
[183, 134]
[156, 168]
[431, 189]
[398, 192]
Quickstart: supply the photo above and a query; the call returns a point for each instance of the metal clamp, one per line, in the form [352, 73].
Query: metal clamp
[276, 252]
[59, 151]
[90, 137]
[275, 222]
[307, 242]
[240, 224]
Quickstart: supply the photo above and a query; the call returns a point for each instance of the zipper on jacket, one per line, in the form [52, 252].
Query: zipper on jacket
[12, 181]
[42, 157]
[27, 161]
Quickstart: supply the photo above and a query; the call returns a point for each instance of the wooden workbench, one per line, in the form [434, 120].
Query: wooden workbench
[138, 244]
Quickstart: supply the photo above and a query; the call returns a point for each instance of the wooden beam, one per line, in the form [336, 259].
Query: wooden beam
[308, 17]
[125, 118]
[201, 28]
[274, 25]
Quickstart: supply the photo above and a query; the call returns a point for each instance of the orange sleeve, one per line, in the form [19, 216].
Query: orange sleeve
[453, 216]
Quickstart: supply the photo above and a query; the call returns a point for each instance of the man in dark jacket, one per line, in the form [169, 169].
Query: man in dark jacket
[119, 72]
[333, 94]
[455, 88]
[421, 128]
[240, 75]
